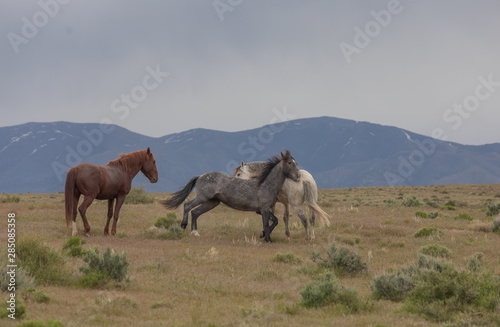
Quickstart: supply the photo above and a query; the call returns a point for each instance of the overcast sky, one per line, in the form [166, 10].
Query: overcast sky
[159, 67]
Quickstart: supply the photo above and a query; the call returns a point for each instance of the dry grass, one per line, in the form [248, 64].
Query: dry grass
[227, 276]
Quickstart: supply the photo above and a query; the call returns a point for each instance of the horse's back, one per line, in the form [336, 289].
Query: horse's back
[237, 193]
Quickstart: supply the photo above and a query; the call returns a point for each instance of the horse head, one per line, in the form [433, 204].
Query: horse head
[290, 167]
[149, 167]
[242, 171]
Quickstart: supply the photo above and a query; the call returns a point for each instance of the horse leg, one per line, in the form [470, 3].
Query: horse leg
[312, 220]
[87, 201]
[263, 233]
[110, 214]
[188, 206]
[76, 198]
[119, 202]
[286, 218]
[274, 219]
[204, 207]
[300, 213]
[265, 224]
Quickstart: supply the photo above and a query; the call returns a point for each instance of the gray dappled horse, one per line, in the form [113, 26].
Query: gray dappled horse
[292, 192]
[257, 195]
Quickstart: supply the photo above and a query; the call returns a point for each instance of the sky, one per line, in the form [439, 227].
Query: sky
[162, 67]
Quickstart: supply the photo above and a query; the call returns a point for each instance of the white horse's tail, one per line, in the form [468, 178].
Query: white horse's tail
[311, 196]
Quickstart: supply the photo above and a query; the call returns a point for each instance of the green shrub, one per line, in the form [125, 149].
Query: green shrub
[464, 216]
[433, 215]
[42, 262]
[10, 199]
[392, 287]
[319, 293]
[436, 290]
[493, 210]
[32, 295]
[99, 271]
[427, 231]
[288, 257]
[390, 202]
[167, 228]
[22, 279]
[74, 246]
[343, 261]
[421, 214]
[20, 309]
[496, 225]
[137, 195]
[411, 201]
[435, 250]
[448, 207]
[168, 221]
[38, 323]
[475, 262]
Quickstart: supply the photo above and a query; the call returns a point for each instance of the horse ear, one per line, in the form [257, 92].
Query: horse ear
[148, 151]
[242, 164]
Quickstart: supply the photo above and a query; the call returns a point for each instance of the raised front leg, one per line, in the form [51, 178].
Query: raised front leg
[119, 202]
[110, 215]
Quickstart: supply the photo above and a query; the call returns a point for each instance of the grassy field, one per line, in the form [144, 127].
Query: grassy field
[229, 277]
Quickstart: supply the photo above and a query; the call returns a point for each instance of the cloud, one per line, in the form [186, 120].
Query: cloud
[230, 74]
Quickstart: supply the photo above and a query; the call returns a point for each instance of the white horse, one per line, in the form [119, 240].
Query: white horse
[292, 192]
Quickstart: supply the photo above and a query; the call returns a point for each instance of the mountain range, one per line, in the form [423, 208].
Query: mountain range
[34, 157]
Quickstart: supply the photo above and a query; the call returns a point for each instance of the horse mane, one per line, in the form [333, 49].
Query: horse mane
[268, 167]
[128, 159]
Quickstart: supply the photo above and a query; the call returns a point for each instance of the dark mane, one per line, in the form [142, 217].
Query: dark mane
[268, 167]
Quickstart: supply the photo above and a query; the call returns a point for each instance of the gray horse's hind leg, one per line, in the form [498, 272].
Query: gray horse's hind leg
[188, 206]
[204, 207]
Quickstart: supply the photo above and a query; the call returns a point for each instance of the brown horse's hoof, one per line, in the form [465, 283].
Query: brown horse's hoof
[87, 234]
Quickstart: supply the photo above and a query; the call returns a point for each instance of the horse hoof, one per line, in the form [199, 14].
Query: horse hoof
[261, 235]
[195, 233]
[87, 234]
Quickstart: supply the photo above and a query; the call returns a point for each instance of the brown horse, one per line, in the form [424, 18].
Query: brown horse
[109, 182]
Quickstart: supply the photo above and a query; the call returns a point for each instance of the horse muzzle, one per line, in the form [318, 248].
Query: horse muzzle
[154, 180]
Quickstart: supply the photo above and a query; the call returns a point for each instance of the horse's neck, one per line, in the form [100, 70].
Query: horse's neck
[275, 179]
[131, 167]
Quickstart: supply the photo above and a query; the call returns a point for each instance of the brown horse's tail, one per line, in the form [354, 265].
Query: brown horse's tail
[179, 196]
[311, 196]
[69, 197]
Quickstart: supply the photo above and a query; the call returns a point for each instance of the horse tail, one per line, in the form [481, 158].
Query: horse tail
[179, 196]
[311, 196]
[320, 212]
[69, 198]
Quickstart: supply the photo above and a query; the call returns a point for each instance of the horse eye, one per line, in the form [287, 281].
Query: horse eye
[238, 174]
[154, 161]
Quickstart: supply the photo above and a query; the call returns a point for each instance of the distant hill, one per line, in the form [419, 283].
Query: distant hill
[34, 157]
